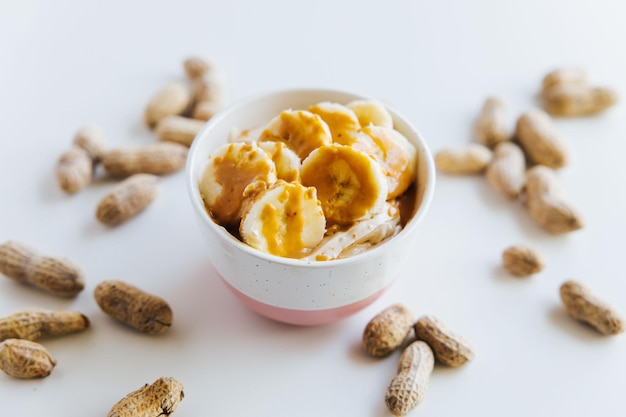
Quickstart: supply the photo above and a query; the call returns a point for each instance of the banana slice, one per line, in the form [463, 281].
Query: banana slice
[371, 112]
[284, 220]
[286, 161]
[358, 238]
[350, 184]
[396, 155]
[301, 130]
[342, 121]
[234, 172]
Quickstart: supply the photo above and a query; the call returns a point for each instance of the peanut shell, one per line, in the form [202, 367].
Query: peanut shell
[448, 348]
[172, 99]
[575, 100]
[158, 158]
[464, 160]
[387, 331]
[54, 275]
[540, 141]
[161, 398]
[25, 359]
[74, 170]
[408, 388]
[583, 305]
[133, 306]
[564, 76]
[127, 199]
[34, 323]
[507, 171]
[522, 261]
[492, 124]
[178, 129]
[545, 202]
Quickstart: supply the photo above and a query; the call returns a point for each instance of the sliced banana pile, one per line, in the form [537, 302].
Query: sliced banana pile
[316, 184]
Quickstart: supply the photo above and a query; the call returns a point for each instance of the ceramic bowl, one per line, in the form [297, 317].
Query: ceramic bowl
[291, 290]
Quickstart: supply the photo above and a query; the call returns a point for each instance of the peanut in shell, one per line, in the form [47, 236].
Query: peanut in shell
[448, 347]
[34, 323]
[387, 331]
[585, 306]
[161, 398]
[127, 199]
[128, 304]
[56, 276]
[25, 359]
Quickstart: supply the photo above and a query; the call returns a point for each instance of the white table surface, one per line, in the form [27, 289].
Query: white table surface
[66, 63]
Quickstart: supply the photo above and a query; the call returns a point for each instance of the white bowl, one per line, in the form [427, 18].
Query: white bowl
[291, 290]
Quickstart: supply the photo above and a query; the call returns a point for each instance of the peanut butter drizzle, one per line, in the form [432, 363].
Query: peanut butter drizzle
[301, 130]
[284, 233]
[342, 126]
[235, 171]
[333, 182]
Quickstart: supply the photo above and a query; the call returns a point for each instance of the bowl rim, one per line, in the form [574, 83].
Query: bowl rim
[198, 204]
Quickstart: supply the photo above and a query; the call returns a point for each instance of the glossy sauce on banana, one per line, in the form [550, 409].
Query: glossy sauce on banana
[283, 229]
[235, 170]
[301, 130]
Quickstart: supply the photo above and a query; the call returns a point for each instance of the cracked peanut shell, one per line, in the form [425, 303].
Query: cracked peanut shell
[157, 399]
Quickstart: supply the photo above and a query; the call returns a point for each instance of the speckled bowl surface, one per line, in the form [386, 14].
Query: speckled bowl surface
[291, 290]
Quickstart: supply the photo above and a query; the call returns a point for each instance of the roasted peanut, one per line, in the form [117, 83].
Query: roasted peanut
[546, 204]
[464, 160]
[158, 399]
[522, 261]
[157, 158]
[91, 138]
[448, 348]
[178, 129]
[25, 359]
[204, 110]
[576, 100]
[34, 323]
[133, 306]
[74, 170]
[564, 76]
[507, 171]
[173, 99]
[492, 124]
[387, 331]
[54, 275]
[127, 199]
[583, 305]
[540, 141]
[196, 67]
[408, 388]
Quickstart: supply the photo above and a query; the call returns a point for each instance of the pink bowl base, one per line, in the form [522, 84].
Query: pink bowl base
[303, 317]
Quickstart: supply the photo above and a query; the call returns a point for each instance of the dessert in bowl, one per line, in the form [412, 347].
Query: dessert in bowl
[309, 200]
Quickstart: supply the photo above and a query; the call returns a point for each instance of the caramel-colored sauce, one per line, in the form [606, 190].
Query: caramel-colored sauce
[346, 188]
[301, 130]
[235, 171]
[343, 125]
[283, 228]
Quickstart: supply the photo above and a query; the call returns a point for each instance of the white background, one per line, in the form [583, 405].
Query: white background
[67, 63]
